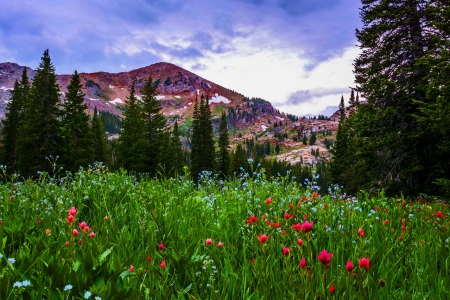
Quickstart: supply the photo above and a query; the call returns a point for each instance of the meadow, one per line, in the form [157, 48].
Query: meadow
[102, 235]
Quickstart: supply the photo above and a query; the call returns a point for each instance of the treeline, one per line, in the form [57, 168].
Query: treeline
[398, 140]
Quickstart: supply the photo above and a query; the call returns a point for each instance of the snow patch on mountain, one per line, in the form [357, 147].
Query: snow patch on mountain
[6, 89]
[159, 97]
[218, 99]
[281, 119]
[111, 86]
[117, 100]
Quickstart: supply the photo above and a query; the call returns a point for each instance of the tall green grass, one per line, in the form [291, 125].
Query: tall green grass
[42, 259]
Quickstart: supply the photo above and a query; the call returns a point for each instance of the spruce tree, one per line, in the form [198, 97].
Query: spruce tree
[239, 162]
[132, 147]
[176, 159]
[223, 156]
[13, 121]
[154, 126]
[78, 141]
[100, 140]
[352, 100]
[40, 134]
[339, 151]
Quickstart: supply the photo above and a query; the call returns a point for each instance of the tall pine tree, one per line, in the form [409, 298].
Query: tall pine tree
[78, 141]
[100, 140]
[132, 148]
[40, 134]
[154, 126]
[176, 160]
[340, 150]
[13, 121]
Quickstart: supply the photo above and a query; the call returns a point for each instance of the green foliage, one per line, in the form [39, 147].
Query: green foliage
[312, 138]
[340, 150]
[91, 83]
[100, 141]
[78, 140]
[239, 162]
[112, 122]
[223, 156]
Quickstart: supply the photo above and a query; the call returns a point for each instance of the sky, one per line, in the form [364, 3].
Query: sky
[297, 54]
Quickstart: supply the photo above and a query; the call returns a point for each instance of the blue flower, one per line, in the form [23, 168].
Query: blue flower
[11, 260]
[68, 287]
[87, 295]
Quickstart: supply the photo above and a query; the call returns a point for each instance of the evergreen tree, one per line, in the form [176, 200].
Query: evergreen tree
[13, 121]
[352, 100]
[154, 126]
[390, 147]
[176, 159]
[223, 156]
[277, 148]
[40, 134]
[78, 141]
[339, 163]
[239, 162]
[132, 148]
[203, 151]
[100, 140]
[312, 138]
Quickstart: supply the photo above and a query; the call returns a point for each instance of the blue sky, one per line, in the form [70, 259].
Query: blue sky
[296, 54]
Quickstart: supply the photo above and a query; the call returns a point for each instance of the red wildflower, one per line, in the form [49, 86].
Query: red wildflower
[263, 238]
[48, 231]
[364, 263]
[325, 257]
[82, 225]
[307, 227]
[349, 266]
[86, 229]
[251, 220]
[161, 246]
[92, 235]
[403, 228]
[332, 289]
[361, 232]
[268, 201]
[283, 232]
[302, 263]
[286, 251]
[208, 242]
[439, 214]
[163, 264]
[287, 216]
[131, 268]
[297, 227]
[253, 261]
[149, 258]
[300, 242]
[67, 243]
[219, 244]
[75, 232]
[73, 211]
[400, 238]
[106, 218]
[70, 219]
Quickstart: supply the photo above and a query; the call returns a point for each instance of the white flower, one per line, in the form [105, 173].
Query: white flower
[98, 298]
[1, 255]
[26, 283]
[87, 295]
[68, 287]
[11, 260]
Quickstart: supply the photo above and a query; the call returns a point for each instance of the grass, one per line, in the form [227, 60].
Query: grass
[41, 258]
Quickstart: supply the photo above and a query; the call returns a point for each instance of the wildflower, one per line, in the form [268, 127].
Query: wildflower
[68, 287]
[403, 228]
[286, 251]
[332, 289]
[208, 242]
[219, 244]
[67, 243]
[263, 238]
[11, 197]
[325, 257]
[82, 225]
[253, 261]
[161, 246]
[39, 221]
[87, 295]
[364, 263]
[439, 214]
[287, 216]
[70, 219]
[349, 266]
[1, 255]
[17, 284]
[307, 227]
[73, 211]
[251, 220]
[268, 201]
[386, 221]
[98, 298]
[302, 263]
[297, 227]
[11, 260]
[75, 232]
[361, 232]
[86, 229]
[163, 264]
[300, 242]
[106, 218]
[400, 238]
[283, 232]
[131, 268]
[48, 231]
[92, 235]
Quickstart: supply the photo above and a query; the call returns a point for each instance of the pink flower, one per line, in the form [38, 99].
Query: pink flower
[325, 257]
[297, 227]
[439, 214]
[92, 235]
[307, 227]
[73, 211]
[131, 268]
[70, 219]
[82, 225]
[149, 258]
[163, 264]
[75, 232]
[251, 220]
[106, 218]
[161, 246]
[300, 242]
[364, 263]
[219, 244]
[86, 229]
[361, 232]
[263, 238]
[268, 201]
[349, 266]
[286, 251]
[302, 263]
[67, 243]
[208, 242]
